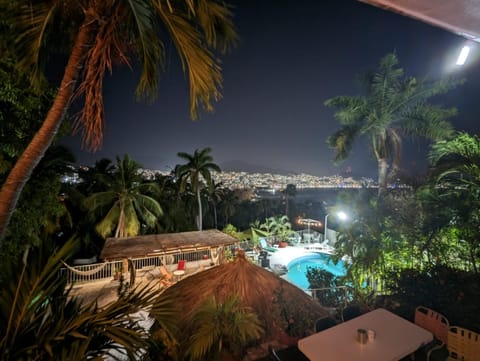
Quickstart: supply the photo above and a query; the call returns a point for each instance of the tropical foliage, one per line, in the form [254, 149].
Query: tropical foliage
[41, 321]
[440, 287]
[96, 35]
[41, 213]
[394, 106]
[222, 330]
[456, 183]
[197, 171]
[127, 205]
[278, 227]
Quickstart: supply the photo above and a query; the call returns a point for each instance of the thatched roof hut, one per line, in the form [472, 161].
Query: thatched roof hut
[158, 244]
[282, 308]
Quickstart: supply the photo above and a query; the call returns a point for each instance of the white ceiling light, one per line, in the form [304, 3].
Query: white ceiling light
[462, 57]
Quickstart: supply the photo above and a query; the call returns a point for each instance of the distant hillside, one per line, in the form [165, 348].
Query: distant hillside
[241, 166]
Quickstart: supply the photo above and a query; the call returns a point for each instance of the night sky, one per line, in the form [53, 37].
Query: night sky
[292, 56]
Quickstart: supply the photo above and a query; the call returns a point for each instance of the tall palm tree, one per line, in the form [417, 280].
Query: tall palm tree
[96, 34]
[222, 330]
[393, 106]
[197, 169]
[290, 191]
[127, 203]
[216, 192]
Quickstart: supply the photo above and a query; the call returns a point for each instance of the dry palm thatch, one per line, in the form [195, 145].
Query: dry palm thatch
[282, 308]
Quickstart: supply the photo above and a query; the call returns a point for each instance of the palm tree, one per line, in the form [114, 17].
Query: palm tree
[97, 34]
[196, 170]
[228, 205]
[216, 192]
[393, 106]
[126, 203]
[96, 178]
[290, 191]
[222, 330]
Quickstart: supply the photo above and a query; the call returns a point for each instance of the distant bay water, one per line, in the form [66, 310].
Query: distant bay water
[327, 195]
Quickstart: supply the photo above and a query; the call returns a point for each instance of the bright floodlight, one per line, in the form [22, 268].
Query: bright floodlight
[462, 57]
[342, 216]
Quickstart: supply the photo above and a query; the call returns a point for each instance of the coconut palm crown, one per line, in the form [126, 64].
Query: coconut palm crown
[96, 35]
[197, 169]
[127, 204]
[392, 107]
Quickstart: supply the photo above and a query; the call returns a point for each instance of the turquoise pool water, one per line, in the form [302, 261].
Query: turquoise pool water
[298, 268]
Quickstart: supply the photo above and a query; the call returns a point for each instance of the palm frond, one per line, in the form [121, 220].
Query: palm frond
[141, 22]
[204, 72]
[342, 141]
[33, 21]
[429, 121]
[215, 19]
[108, 223]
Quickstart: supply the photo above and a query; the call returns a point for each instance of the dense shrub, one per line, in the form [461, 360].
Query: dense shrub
[452, 292]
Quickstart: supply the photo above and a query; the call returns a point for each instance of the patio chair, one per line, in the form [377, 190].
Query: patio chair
[436, 323]
[463, 344]
[273, 354]
[181, 265]
[324, 323]
[263, 244]
[350, 312]
[180, 271]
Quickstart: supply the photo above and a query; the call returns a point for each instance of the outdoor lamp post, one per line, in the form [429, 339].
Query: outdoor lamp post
[341, 215]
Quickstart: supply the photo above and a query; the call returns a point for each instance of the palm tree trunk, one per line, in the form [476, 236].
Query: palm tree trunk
[472, 258]
[41, 141]
[382, 176]
[200, 215]
[215, 214]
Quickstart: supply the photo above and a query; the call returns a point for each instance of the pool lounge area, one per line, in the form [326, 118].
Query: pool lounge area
[295, 260]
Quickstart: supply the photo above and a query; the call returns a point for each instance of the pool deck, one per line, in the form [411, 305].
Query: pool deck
[283, 256]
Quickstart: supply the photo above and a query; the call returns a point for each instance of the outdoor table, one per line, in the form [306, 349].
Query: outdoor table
[178, 274]
[394, 339]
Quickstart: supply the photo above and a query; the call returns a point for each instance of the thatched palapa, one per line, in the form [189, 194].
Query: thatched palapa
[156, 244]
[281, 307]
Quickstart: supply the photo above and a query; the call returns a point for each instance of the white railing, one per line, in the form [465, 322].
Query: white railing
[339, 295]
[86, 273]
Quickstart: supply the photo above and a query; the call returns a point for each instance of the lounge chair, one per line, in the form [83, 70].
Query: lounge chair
[266, 247]
[166, 278]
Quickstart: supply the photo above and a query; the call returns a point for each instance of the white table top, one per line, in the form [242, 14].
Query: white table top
[395, 339]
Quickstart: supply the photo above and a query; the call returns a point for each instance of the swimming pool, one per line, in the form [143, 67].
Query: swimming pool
[297, 268]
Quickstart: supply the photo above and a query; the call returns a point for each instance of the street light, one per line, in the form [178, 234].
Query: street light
[341, 215]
